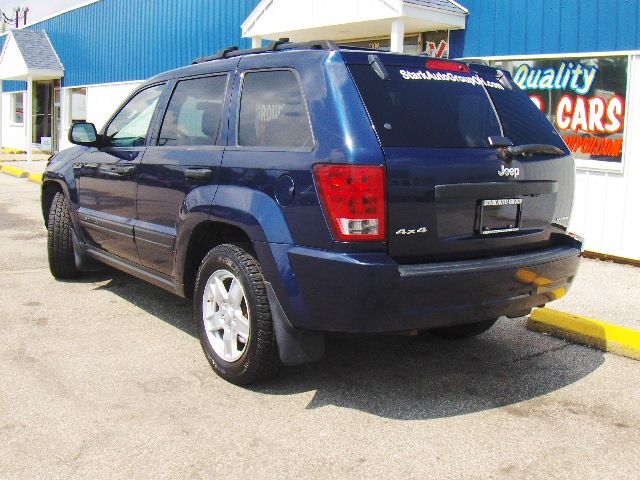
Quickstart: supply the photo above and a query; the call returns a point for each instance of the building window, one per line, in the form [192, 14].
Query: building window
[78, 105]
[194, 112]
[273, 112]
[584, 99]
[17, 108]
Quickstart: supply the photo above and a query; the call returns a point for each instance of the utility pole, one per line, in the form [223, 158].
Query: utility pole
[16, 11]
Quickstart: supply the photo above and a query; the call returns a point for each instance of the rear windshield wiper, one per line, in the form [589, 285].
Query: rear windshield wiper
[509, 151]
[530, 149]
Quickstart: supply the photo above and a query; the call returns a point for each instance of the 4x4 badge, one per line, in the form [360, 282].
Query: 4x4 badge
[411, 231]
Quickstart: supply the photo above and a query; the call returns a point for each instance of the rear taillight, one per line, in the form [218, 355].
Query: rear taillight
[353, 199]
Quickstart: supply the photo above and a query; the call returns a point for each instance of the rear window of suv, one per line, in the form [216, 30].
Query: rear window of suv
[415, 107]
[522, 122]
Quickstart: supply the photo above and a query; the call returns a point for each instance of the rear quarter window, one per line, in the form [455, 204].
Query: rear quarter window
[273, 112]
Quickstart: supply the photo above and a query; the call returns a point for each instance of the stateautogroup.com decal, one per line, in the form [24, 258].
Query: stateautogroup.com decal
[449, 77]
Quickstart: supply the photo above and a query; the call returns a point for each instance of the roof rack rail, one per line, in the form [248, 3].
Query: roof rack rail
[276, 46]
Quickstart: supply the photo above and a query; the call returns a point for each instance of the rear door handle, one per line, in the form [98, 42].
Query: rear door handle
[198, 173]
[125, 170]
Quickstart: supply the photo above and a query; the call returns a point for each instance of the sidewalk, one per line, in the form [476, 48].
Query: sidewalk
[606, 291]
[600, 310]
[22, 157]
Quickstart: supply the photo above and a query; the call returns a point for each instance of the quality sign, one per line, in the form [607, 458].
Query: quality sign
[583, 98]
[568, 76]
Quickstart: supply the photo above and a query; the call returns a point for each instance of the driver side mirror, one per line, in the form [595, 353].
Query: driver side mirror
[84, 134]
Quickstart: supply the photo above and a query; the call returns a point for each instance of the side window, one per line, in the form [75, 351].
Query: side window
[272, 111]
[17, 111]
[194, 112]
[130, 126]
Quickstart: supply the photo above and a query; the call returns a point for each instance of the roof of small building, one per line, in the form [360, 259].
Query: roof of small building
[314, 19]
[446, 5]
[36, 50]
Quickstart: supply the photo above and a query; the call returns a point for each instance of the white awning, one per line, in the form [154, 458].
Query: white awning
[29, 54]
[305, 20]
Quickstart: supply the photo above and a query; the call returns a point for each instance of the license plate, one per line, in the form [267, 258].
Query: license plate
[501, 215]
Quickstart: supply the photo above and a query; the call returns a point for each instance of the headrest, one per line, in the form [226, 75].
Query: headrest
[210, 118]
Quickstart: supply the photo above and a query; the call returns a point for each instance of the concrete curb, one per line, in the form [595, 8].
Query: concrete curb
[586, 331]
[35, 178]
[14, 172]
[17, 172]
[605, 257]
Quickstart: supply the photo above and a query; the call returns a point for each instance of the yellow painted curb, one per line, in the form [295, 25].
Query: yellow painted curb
[16, 172]
[587, 331]
[35, 178]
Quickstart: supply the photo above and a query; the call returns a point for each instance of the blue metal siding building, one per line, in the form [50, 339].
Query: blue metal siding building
[531, 27]
[120, 40]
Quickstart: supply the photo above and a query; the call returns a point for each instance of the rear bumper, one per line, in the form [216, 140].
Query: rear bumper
[329, 291]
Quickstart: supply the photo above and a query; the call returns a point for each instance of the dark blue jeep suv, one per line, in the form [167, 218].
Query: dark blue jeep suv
[305, 188]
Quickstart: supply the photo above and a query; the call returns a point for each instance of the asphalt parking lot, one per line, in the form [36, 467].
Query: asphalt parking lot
[103, 377]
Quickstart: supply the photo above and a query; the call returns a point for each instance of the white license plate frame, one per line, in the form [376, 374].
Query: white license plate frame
[508, 220]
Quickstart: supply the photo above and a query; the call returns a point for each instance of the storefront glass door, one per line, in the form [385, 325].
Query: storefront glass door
[57, 124]
[43, 115]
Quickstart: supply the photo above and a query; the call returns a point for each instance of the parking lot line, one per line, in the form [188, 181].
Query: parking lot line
[587, 331]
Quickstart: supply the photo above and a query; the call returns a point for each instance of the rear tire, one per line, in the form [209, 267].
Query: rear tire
[233, 316]
[456, 332]
[62, 260]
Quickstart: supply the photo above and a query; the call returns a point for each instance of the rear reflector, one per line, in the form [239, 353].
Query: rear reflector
[353, 200]
[447, 65]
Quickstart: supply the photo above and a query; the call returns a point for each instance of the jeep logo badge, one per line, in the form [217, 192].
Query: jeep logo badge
[509, 172]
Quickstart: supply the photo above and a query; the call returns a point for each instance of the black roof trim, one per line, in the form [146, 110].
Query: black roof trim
[277, 46]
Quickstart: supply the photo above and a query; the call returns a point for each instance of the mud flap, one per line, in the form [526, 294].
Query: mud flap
[83, 262]
[295, 346]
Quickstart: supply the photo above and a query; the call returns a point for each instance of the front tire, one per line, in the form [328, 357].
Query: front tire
[233, 316]
[62, 260]
[456, 332]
